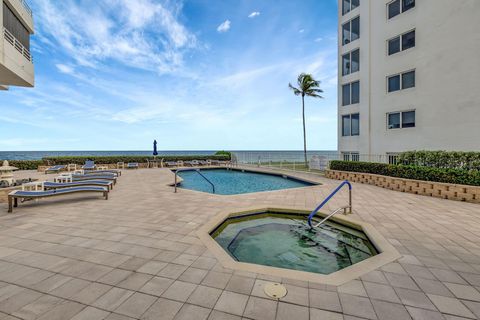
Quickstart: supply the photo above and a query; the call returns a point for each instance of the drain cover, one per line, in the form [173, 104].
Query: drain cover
[275, 290]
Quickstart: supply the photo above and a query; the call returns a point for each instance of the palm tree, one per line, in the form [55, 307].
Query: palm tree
[307, 86]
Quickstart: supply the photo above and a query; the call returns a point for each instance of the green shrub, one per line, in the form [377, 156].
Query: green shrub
[446, 175]
[114, 159]
[441, 159]
[223, 153]
[26, 164]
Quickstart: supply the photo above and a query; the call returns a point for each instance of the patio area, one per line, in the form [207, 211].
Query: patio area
[137, 256]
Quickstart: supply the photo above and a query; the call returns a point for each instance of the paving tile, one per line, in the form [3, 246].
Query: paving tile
[296, 295]
[240, 284]
[447, 276]
[116, 316]
[218, 315]
[401, 281]
[433, 287]
[162, 309]
[152, 267]
[381, 292]
[317, 314]
[375, 276]
[422, 314]
[172, 271]
[231, 302]
[354, 287]
[112, 299]
[115, 276]
[38, 307]
[64, 310]
[136, 305]
[193, 275]
[179, 291]
[70, 288]
[474, 307]
[135, 281]
[472, 278]
[19, 300]
[217, 279]
[156, 286]
[90, 313]
[463, 291]
[415, 299]
[326, 300]
[260, 309]
[390, 311]
[287, 311]
[205, 296]
[91, 293]
[450, 306]
[357, 306]
[191, 312]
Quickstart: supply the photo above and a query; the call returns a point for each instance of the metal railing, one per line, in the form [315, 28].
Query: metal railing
[196, 170]
[334, 192]
[17, 45]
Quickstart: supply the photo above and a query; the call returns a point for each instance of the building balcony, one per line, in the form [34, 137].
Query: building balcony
[22, 12]
[16, 69]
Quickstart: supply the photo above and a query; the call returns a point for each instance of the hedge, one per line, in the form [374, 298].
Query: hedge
[114, 159]
[445, 175]
[26, 164]
[442, 159]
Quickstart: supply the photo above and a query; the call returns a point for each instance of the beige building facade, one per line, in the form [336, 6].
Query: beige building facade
[16, 63]
[409, 76]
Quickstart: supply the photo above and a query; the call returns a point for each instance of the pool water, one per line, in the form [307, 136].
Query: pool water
[286, 241]
[228, 182]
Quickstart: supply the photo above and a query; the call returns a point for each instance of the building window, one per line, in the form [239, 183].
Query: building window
[350, 156]
[351, 125]
[401, 81]
[351, 62]
[401, 43]
[398, 6]
[404, 119]
[351, 31]
[351, 93]
[349, 5]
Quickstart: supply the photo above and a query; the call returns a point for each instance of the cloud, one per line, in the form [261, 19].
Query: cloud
[318, 39]
[141, 34]
[65, 68]
[301, 30]
[254, 14]
[224, 26]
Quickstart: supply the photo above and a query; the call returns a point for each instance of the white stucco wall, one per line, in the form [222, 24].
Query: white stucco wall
[447, 63]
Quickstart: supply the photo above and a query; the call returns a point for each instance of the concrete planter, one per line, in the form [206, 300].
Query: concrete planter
[5, 191]
[425, 188]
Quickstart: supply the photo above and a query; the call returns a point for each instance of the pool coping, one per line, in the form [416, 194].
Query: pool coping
[386, 252]
[179, 180]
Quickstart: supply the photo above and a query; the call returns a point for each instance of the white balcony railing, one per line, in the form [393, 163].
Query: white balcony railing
[17, 45]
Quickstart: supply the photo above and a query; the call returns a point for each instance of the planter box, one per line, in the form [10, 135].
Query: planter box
[425, 188]
[5, 191]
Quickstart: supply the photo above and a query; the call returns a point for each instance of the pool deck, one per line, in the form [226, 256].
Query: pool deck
[137, 256]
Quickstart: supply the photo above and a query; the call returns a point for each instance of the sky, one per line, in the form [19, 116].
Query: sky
[192, 74]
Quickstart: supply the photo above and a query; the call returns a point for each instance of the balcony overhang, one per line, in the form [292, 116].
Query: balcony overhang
[3, 88]
[23, 12]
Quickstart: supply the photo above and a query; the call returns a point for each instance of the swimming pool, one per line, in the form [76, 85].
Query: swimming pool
[286, 241]
[234, 181]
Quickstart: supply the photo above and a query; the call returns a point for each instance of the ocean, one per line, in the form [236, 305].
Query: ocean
[241, 156]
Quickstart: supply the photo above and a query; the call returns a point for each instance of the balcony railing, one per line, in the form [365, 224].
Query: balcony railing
[17, 45]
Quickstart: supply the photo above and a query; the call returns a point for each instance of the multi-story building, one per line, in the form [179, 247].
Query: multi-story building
[409, 76]
[16, 65]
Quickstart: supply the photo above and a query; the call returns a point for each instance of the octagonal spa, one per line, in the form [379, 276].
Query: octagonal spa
[279, 242]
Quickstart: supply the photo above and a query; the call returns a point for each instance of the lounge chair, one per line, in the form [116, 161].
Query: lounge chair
[203, 162]
[171, 163]
[214, 162]
[55, 169]
[89, 165]
[78, 177]
[24, 195]
[192, 163]
[114, 172]
[47, 185]
[132, 165]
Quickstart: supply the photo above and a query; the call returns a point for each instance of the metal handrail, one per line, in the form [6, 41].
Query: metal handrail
[196, 170]
[334, 192]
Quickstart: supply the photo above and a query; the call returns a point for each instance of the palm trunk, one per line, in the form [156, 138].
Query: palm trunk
[304, 132]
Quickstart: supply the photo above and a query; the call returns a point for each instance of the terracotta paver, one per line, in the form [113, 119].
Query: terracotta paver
[137, 256]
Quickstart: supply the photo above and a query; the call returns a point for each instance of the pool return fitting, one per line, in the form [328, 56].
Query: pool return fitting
[345, 209]
[198, 171]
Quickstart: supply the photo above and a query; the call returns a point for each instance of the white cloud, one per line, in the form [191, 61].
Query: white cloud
[301, 30]
[318, 39]
[224, 26]
[63, 68]
[141, 33]
[254, 14]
